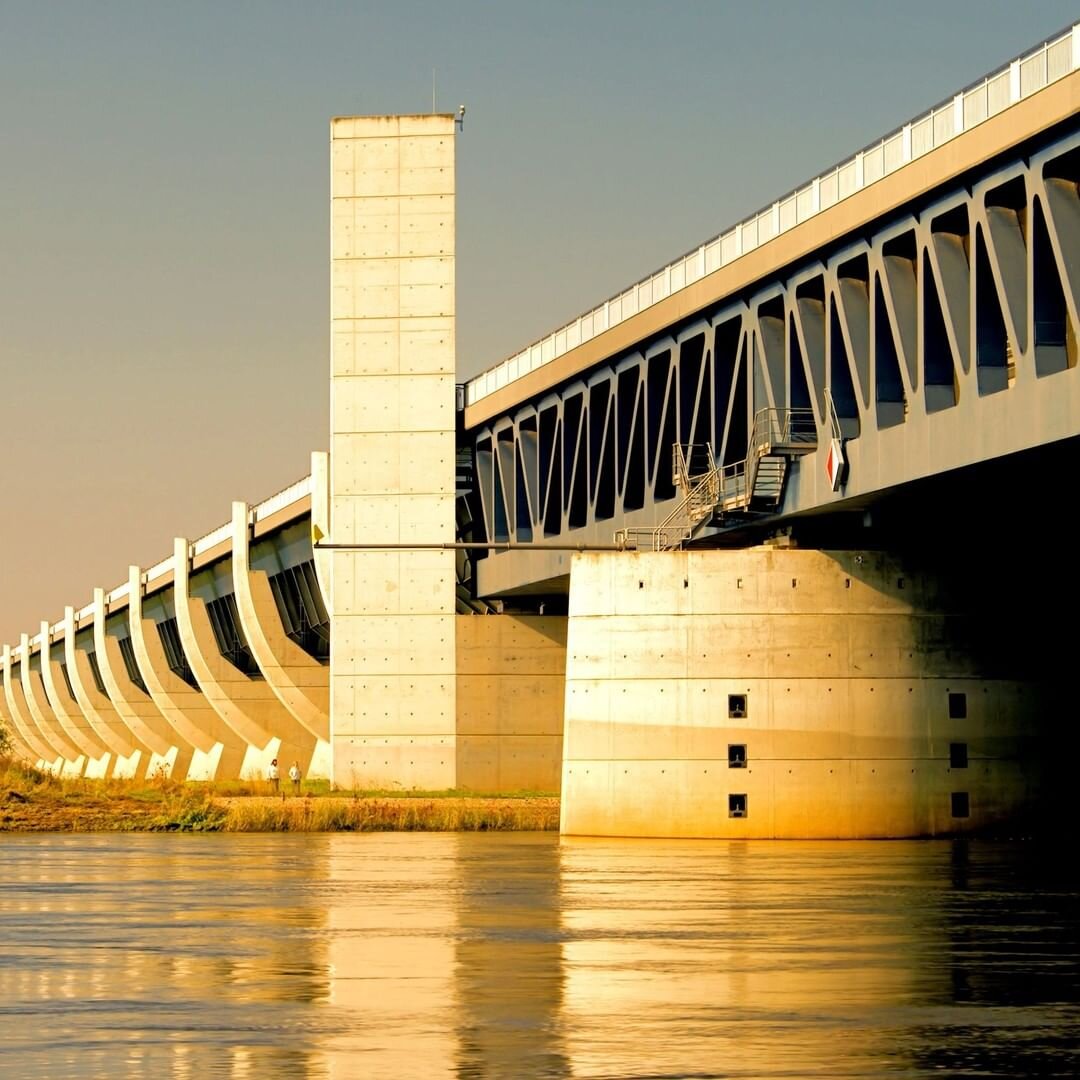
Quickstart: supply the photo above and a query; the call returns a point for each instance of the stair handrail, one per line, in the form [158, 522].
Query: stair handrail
[694, 486]
[681, 519]
[774, 427]
[724, 484]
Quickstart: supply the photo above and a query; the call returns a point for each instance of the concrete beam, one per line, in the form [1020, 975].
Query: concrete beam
[300, 682]
[169, 753]
[219, 752]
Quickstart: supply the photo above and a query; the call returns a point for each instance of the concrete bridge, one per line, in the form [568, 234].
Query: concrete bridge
[755, 548]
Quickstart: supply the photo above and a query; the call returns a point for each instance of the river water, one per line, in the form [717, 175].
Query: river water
[523, 955]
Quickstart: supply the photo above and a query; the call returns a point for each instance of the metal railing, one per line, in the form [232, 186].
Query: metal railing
[701, 491]
[727, 488]
[1022, 77]
[792, 430]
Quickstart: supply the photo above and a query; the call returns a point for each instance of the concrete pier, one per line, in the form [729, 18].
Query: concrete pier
[794, 694]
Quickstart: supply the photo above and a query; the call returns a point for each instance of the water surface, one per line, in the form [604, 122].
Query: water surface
[523, 955]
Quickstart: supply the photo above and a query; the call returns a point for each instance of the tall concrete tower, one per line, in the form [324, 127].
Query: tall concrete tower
[392, 452]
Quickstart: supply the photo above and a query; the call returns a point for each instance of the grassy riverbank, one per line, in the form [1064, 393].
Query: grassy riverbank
[35, 801]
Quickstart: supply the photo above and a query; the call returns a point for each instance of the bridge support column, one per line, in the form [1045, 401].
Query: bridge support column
[797, 693]
[392, 452]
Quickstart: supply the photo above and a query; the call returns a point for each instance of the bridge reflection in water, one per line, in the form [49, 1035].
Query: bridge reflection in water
[522, 956]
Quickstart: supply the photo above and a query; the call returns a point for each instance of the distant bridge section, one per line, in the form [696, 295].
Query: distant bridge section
[206, 665]
[912, 311]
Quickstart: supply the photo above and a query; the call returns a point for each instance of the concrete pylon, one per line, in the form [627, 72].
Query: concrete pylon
[219, 751]
[393, 452]
[299, 680]
[170, 755]
[48, 756]
[66, 710]
[247, 705]
[128, 752]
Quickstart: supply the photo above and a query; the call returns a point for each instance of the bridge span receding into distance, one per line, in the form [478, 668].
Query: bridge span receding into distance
[753, 548]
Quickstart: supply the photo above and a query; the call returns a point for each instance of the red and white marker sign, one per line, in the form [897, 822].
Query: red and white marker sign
[834, 463]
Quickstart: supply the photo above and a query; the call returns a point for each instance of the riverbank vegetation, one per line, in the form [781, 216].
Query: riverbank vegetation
[32, 800]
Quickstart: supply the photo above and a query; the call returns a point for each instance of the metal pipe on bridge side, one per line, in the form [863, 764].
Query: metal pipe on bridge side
[468, 545]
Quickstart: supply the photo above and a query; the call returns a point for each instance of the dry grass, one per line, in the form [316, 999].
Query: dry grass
[452, 813]
[32, 801]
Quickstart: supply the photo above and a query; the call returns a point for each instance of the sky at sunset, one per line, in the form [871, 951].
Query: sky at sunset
[164, 211]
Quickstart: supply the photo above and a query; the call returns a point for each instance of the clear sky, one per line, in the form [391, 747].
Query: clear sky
[164, 299]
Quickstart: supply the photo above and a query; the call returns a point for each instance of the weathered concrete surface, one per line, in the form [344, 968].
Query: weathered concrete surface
[511, 677]
[844, 665]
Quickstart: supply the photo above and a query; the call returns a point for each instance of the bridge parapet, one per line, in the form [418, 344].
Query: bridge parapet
[1022, 77]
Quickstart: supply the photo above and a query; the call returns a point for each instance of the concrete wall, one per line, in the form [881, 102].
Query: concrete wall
[843, 665]
[510, 688]
[392, 452]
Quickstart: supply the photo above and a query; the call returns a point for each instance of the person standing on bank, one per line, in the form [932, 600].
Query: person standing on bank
[273, 775]
[294, 776]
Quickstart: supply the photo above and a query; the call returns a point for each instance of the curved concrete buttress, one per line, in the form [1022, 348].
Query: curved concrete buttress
[301, 683]
[110, 728]
[169, 754]
[47, 721]
[23, 724]
[247, 705]
[219, 751]
[19, 746]
[71, 760]
[67, 712]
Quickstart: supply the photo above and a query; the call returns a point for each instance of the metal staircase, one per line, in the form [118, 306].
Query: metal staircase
[719, 493]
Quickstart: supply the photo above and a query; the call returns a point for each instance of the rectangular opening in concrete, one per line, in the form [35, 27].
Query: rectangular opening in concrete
[958, 755]
[958, 706]
[736, 706]
[736, 805]
[960, 804]
[736, 755]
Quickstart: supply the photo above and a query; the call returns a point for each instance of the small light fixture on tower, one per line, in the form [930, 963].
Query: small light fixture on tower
[461, 118]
